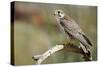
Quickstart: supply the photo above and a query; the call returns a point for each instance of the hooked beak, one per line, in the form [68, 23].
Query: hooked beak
[54, 14]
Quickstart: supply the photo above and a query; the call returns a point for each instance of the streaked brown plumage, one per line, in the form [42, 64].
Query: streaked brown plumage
[72, 29]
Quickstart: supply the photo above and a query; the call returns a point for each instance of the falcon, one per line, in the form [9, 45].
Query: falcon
[73, 31]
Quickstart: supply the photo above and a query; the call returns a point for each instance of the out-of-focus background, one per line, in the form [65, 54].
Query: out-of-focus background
[36, 30]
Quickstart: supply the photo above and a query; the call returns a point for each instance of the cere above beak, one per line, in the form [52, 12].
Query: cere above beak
[54, 14]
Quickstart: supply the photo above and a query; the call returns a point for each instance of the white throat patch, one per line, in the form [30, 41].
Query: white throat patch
[61, 15]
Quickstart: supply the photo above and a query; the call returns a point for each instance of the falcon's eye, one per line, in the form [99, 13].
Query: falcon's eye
[58, 11]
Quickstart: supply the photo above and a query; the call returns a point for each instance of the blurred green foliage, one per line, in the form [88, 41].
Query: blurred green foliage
[31, 39]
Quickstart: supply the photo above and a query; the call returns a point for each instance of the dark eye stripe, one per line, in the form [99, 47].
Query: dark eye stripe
[58, 11]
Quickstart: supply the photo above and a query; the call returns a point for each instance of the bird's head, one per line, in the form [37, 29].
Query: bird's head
[59, 13]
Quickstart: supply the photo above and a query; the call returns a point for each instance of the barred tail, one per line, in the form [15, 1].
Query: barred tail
[87, 40]
[86, 51]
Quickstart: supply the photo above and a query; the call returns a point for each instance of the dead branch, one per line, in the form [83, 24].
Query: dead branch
[68, 47]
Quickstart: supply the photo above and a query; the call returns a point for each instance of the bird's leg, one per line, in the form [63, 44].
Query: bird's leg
[69, 40]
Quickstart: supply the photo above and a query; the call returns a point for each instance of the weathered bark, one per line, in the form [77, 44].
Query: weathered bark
[68, 47]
